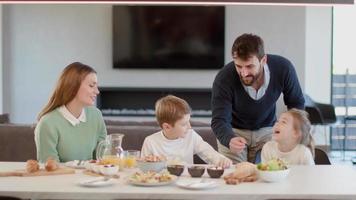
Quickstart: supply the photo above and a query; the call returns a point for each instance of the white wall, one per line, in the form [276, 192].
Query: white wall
[318, 53]
[40, 40]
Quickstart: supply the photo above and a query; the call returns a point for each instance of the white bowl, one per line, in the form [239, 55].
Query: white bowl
[109, 170]
[273, 176]
[151, 166]
[88, 165]
[95, 168]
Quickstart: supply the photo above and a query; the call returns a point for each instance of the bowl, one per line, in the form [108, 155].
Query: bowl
[109, 170]
[175, 169]
[88, 164]
[145, 166]
[196, 171]
[273, 176]
[95, 167]
[215, 172]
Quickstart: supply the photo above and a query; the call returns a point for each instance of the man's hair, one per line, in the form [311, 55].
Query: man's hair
[170, 109]
[248, 45]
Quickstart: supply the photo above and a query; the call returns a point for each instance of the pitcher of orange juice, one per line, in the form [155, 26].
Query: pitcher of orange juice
[109, 151]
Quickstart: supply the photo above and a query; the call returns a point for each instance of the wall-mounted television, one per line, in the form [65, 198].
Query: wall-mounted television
[168, 37]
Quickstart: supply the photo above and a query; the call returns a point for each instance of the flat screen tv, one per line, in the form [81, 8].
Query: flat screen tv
[168, 37]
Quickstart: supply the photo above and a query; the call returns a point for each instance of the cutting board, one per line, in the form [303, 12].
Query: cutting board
[41, 172]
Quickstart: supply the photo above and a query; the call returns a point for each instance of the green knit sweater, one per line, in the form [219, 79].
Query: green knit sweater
[56, 137]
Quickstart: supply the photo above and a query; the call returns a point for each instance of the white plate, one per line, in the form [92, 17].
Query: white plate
[196, 184]
[74, 164]
[97, 182]
[174, 178]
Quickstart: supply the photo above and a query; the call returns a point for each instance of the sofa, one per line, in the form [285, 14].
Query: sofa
[17, 140]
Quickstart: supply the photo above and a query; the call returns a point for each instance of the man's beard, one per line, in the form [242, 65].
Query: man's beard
[249, 80]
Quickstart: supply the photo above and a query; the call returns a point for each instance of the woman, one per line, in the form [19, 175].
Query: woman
[70, 127]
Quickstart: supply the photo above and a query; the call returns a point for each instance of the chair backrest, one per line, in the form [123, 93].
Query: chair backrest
[321, 158]
[319, 113]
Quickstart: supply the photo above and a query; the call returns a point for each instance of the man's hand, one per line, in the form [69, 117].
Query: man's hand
[237, 144]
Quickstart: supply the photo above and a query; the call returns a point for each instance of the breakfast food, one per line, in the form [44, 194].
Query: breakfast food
[151, 177]
[32, 166]
[273, 165]
[244, 172]
[51, 164]
[153, 158]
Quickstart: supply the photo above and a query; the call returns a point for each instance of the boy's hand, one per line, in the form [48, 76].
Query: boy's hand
[237, 144]
[224, 163]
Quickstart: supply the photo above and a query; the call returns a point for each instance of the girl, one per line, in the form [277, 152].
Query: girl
[292, 141]
[69, 126]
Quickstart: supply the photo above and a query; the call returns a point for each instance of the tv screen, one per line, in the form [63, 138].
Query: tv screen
[168, 37]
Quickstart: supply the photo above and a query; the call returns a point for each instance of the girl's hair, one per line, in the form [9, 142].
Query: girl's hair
[303, 124]
[67, 86]
[170, 109]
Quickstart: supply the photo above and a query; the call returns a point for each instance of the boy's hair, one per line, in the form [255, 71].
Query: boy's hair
[248, 45]
[303, 124]
[170, 109]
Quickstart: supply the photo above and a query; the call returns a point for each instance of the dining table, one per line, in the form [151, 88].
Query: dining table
[302, 182]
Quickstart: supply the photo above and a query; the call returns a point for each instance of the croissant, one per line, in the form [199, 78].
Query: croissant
[51, 164]
[244, 169]
[244, 172]
[32, 166]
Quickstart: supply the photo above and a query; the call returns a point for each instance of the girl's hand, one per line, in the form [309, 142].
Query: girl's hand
[224, 163]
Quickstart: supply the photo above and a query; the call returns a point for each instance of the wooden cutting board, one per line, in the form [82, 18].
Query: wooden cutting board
[41, 172]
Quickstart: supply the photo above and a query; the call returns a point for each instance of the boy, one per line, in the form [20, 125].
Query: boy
[177, 140]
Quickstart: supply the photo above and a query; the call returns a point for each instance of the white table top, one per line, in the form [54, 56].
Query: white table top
[308, 182]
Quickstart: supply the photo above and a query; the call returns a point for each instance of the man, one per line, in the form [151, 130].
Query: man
[244, 98]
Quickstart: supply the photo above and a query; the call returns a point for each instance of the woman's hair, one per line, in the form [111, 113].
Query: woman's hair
[302, 123]
[170, 109]
[248, 45]
[67, 86]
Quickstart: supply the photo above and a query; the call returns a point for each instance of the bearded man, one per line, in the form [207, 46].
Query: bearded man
[244, 97]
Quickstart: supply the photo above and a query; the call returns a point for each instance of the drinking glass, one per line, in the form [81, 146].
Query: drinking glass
[130, 157]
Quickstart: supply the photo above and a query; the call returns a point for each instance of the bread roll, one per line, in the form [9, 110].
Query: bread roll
[51, 164]
[244, 169]
[32, 166]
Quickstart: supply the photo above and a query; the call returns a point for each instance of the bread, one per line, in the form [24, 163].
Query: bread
[51, 164]
[32, 166]
[244, 172]
[244, 169]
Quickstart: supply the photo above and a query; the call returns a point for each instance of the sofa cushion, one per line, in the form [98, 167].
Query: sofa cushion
[109, 122]
[17, 142]
[4, 118]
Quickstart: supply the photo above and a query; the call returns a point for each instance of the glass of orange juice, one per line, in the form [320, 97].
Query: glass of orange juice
[130, 157]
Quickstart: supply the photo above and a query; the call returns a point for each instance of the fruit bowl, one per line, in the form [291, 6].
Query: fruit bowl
[273, 176]
[274, 170]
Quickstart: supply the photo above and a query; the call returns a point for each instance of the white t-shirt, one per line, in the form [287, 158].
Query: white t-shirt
[181, 149]
[300, 155]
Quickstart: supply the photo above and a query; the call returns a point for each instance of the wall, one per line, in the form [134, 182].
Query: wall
[40, 40]
[318, 45]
